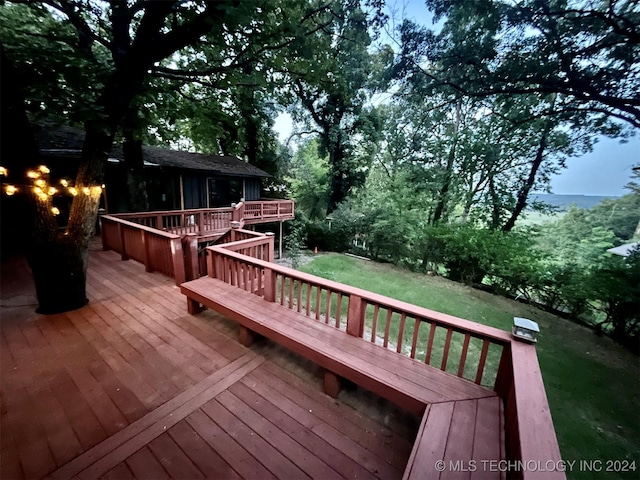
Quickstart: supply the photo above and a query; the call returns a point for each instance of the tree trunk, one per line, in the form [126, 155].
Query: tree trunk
[523, 193]
[138, 200]
[443, 197]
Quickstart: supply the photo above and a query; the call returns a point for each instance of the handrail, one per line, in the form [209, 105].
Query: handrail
[480, 330]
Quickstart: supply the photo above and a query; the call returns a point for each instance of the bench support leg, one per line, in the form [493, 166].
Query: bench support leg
[331, 384]
[193, 306]
[246, 336]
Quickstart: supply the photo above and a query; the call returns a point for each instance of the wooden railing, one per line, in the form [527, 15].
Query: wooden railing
[458, 346]
[208, 221]
[478, 353]
[158, 251]
[184, 222]
[260, 211]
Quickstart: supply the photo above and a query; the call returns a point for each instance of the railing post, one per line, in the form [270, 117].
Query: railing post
[103, 234]
[269, 285]
[159, 225]
[201, 223]
[145, 250]
[123, 253]
[210, 263]
[355, 316]
[270, 247]
[177, 256]
[190, 246]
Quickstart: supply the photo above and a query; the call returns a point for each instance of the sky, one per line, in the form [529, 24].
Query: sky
[604, 171]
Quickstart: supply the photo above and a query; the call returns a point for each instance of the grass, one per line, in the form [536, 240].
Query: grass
[593, 385]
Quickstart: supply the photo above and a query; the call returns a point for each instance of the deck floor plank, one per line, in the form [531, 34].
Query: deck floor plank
[326, 452]
[200, 453]
[145, 466]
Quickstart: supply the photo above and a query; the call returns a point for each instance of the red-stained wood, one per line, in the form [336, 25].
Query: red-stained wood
[445, 354]
[331, 385]
[374, 325]
[382, 371]
[387, 327]
[327, 310]
[145, 466]
[460, 441]
[457, 324]
[208, 461]
[487, 437]
[463, 355]
[265, 453]
[432, 333]
[173, 459]
[482, 361]
[356, 438]
[416, 333]
[403, 318]
[326, 452]
[338, 309]
[227, 447]
[283, 443]
[431, 442]
[318, 293]
[245, 337]
[308, 300]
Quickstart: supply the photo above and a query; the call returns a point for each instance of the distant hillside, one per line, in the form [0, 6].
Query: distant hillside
[563, 202]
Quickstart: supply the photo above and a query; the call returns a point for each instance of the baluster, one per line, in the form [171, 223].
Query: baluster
[291, 285]
[308, 301]
[483, 359]
[445, 355]
[247, 277]
[299, 296]
[403, 317]
[338, 309]
[327, 313]
[432, 333]
[414, 342]
[318, 302]
[387, 327]
[463, 355]
[374, 326]
[282, 281]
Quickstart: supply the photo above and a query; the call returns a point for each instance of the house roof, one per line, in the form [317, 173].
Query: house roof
[624, 250]
[63, 141]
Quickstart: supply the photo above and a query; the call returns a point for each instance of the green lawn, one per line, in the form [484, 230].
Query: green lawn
[593, 385]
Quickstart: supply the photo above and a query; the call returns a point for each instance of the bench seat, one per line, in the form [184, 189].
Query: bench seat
[402, 380]
[467, 435]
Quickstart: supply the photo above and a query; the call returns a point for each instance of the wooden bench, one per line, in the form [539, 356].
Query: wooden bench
[467, 435]
[410, 384]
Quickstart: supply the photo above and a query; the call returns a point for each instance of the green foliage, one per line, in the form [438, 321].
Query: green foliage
[309, 179]
[295, 242]
[616, 286]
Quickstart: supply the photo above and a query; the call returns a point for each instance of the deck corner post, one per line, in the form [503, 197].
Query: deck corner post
[271, 247]
[269, 285]
[177, 256]
[355, 316]
[190, 245]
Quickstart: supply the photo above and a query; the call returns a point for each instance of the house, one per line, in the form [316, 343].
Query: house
[176, 180]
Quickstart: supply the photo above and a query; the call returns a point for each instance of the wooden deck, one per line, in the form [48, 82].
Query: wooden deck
[131, 386]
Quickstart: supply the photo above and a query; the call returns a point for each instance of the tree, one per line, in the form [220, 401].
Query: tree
[584, 52]
[329, 73]
[137, 36]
